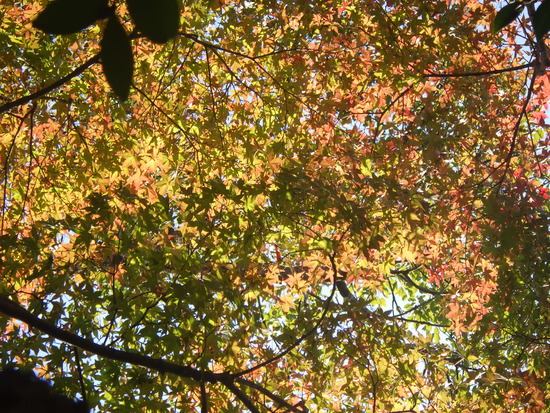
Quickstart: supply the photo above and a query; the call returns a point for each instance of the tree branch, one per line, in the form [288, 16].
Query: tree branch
[204, 399]
[58, 83]
[80, 376]
[281, 402]
[517, 126]
[242, 396]
[212, 46]
[13, 309]
[473, 74]
[305, 335]
[404, 275]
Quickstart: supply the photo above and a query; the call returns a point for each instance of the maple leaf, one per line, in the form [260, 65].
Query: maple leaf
[295, 207]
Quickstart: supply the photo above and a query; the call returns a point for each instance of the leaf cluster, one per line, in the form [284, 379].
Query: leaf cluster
[325, 206]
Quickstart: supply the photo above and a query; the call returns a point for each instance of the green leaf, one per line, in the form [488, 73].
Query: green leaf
[70, 16]
[117, 58]
[507, 15]
[541, 20]
[157, 20]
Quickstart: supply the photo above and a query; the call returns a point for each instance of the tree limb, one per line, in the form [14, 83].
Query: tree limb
[13, 309]
[204, 399]
[58, 83]
[281, 402]
[241, 396]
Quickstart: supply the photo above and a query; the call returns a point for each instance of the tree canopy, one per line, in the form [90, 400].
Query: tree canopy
[272, 206]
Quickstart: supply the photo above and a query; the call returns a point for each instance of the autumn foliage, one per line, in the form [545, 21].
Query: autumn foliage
[277, 206]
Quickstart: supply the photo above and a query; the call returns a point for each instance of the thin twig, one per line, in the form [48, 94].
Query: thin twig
[6, 170]
[387, 108]
[475, 74]
[507, 161]
[426, 323]
[404, 275]
[299, 340]
[212, 46]
[212, 97]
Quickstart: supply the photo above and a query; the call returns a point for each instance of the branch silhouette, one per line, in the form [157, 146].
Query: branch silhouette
[12, 309]
[58, 83]
[474, 74]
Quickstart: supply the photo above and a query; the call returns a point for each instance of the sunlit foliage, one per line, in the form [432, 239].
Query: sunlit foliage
[292, 206]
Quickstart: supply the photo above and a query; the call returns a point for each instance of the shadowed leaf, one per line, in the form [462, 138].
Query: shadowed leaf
[507, 15]
[541, 20]
[117, 58]
[68, 16]
[159, 21]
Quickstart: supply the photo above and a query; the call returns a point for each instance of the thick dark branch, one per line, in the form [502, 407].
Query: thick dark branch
[58, 83]
[12, 309]
[204, 399]
[474, 74]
